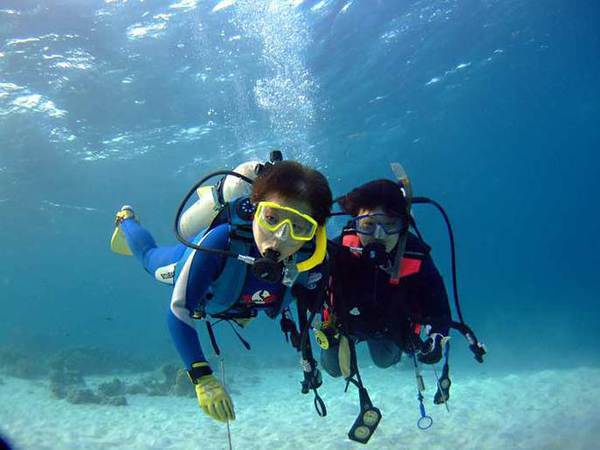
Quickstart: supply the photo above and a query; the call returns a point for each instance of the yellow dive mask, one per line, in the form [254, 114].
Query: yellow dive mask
[278, 219]
[285, 221]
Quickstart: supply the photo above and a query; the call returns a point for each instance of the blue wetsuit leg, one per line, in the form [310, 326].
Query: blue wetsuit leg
[144, 248]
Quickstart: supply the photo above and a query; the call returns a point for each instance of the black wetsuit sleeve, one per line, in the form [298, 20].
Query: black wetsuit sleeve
[432, 297]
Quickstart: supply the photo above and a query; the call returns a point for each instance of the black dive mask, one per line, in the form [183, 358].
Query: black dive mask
[268, 268]
[375, 253]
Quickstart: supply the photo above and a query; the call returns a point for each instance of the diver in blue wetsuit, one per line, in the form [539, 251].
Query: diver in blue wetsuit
[254, 252]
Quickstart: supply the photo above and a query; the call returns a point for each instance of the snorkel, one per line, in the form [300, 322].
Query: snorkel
[406, 188]
[267, 267]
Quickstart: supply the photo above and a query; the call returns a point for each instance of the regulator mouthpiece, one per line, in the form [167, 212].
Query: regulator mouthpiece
[375, 253]
[268, 268]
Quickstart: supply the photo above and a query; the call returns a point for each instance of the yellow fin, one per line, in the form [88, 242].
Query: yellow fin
[118, 243]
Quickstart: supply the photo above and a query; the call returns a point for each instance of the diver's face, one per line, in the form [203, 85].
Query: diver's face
[280, 241]
[389, 241]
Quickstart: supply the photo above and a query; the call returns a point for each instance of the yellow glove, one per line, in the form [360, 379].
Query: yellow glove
[214, 399]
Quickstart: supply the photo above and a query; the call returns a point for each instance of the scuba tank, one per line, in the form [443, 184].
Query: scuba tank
[210, 198]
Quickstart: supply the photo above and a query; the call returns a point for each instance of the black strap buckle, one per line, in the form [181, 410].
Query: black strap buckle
[195, 373]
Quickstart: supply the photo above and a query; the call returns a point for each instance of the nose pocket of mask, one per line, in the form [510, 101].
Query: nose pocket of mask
[283, 232]
[379, 232]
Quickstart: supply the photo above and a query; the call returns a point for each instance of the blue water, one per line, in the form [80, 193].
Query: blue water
[492, 107]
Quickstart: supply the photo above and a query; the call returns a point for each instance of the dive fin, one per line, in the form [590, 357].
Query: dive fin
[118, 241]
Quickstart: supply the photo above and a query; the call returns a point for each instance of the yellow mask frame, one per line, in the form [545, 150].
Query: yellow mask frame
[319, 234]
[259, 216]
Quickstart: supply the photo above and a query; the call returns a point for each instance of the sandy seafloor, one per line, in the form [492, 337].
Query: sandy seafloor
[553, 409]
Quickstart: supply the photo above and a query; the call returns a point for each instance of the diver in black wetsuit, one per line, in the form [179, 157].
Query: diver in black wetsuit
[376, 298]
[385, 289]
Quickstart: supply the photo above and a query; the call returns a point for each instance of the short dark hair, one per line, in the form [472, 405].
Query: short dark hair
[382, 193]
[294, 181]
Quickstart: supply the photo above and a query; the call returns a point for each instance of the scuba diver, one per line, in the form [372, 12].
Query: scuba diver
[382, 304]
[385, 290]
[256, 254]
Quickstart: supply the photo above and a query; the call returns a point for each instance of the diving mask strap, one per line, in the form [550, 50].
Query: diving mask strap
[319, 254]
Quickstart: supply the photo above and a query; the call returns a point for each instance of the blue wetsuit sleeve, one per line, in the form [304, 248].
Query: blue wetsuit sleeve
[197, 271]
